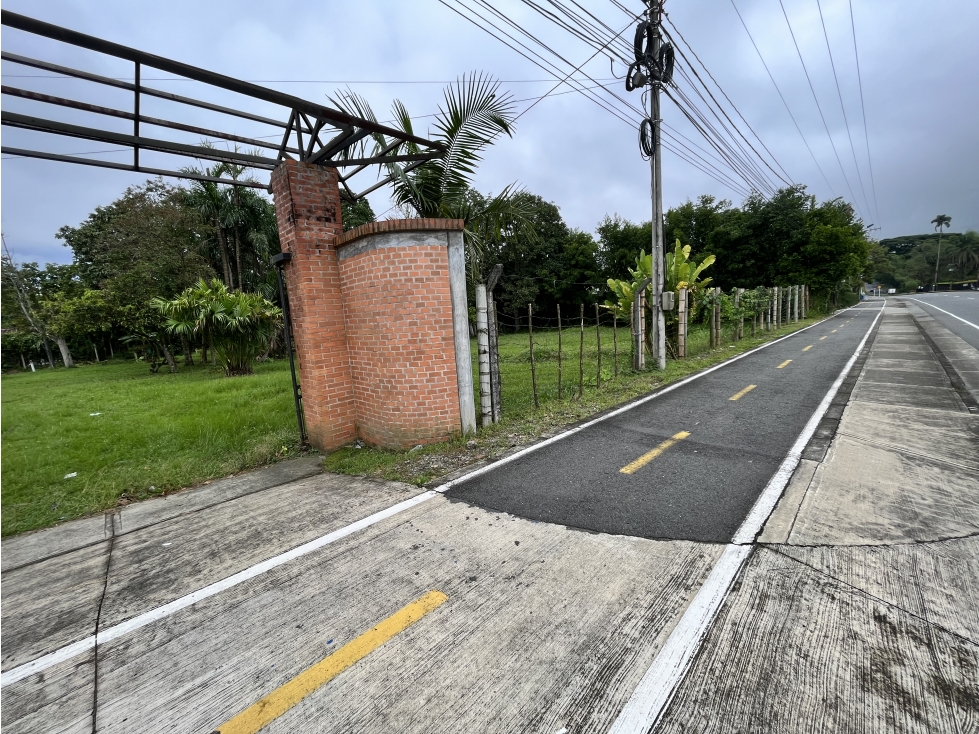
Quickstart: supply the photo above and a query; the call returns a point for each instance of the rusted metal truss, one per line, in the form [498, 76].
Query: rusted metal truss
[309, 132]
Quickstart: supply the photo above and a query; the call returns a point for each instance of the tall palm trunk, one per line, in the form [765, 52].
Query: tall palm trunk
[241, 283]
[225, 264]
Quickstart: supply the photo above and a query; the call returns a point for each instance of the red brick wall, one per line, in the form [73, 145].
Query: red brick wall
[400, 339]
[307, 206]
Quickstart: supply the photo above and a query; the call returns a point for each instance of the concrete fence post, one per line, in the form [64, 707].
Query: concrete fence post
[559, 355]
[681, 334]
[483, 357]
[598, 343]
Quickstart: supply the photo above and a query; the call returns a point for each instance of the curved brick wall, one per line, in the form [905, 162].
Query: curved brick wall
[377, 314]
[399, 326]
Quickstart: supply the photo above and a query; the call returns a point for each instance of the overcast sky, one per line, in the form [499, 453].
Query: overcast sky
[919, 63]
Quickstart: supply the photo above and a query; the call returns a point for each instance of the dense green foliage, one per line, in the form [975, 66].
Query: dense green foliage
[154, 242]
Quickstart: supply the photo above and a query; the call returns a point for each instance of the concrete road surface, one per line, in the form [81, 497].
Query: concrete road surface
[957, 311]
[787, 543]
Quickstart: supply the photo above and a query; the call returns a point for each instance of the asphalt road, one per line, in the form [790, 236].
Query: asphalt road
[964, 304]
[701, 486]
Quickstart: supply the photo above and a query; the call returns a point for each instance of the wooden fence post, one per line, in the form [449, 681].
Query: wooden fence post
[805, 292]
[598, 342]
[795, 301]
[559, 367]
[681, 333]
[581, 356]
[615, 344]
[533, 366]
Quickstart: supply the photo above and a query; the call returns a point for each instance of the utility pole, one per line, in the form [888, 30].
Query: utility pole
[653, 67]
[655, 17]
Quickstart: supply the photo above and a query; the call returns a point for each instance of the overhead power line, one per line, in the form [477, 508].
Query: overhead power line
[481, 14]
[863, 111]
[782, 97]
[839, 93]
[816, 100]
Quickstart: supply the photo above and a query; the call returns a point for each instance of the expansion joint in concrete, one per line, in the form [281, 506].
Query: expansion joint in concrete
[776, 548]
[958, 384]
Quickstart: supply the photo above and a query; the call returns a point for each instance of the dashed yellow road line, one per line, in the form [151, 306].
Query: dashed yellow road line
[648, 457]
[742, 393]
[289, 694]
[783, 364]
[833, 331]
[823, 337]
[806, 349]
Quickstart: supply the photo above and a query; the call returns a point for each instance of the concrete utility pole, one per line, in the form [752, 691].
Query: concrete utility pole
[655, 17]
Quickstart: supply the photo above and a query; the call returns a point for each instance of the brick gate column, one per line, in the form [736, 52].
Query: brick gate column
[307, 207]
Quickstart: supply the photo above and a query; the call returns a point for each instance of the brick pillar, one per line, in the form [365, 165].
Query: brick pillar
[307, 207]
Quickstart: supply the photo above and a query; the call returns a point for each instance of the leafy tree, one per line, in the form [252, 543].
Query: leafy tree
[694, 223]
[148, 242]
[238, 326]
[357, 213]
[26, 292]
[620, 242]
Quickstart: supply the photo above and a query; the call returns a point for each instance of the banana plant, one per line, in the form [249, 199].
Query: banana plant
[682, 272]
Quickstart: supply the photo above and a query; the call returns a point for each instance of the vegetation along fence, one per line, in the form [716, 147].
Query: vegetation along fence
[545, 357]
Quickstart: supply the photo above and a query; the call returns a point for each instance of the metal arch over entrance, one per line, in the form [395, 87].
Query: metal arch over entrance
[310, 132]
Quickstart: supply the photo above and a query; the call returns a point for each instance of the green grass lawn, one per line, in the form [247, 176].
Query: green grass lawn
[154, 433]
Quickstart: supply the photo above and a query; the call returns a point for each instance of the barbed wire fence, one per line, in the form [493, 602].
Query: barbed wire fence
[562, 354]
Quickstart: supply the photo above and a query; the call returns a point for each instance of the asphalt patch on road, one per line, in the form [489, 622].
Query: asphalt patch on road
[701, 487]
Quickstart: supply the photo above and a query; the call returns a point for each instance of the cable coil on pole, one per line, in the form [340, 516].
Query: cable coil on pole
[647, 142]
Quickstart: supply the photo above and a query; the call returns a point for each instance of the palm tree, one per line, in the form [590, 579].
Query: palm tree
[940, 222]
[967, 251]
[474, 116]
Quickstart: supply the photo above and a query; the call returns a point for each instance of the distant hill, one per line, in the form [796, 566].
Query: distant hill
[903, 245]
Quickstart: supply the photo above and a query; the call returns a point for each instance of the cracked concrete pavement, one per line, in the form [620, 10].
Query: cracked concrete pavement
[858, 609]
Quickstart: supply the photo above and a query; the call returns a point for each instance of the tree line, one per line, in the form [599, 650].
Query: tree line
[160, 240]
[905, 263]
[154, 243]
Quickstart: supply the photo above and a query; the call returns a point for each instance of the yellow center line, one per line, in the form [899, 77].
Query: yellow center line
[806, 349]
[289, 694]
[823, 337]
[742, 393]
[648, 457]
[834, 331]
[783, 364]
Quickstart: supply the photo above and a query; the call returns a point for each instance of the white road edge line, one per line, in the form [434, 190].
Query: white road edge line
[123, 628]
[650, 699]
[926, 303]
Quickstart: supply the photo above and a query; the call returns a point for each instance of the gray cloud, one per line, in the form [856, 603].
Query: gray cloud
[918, 62]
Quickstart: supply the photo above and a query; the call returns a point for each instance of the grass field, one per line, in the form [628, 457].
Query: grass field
[154, 433]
